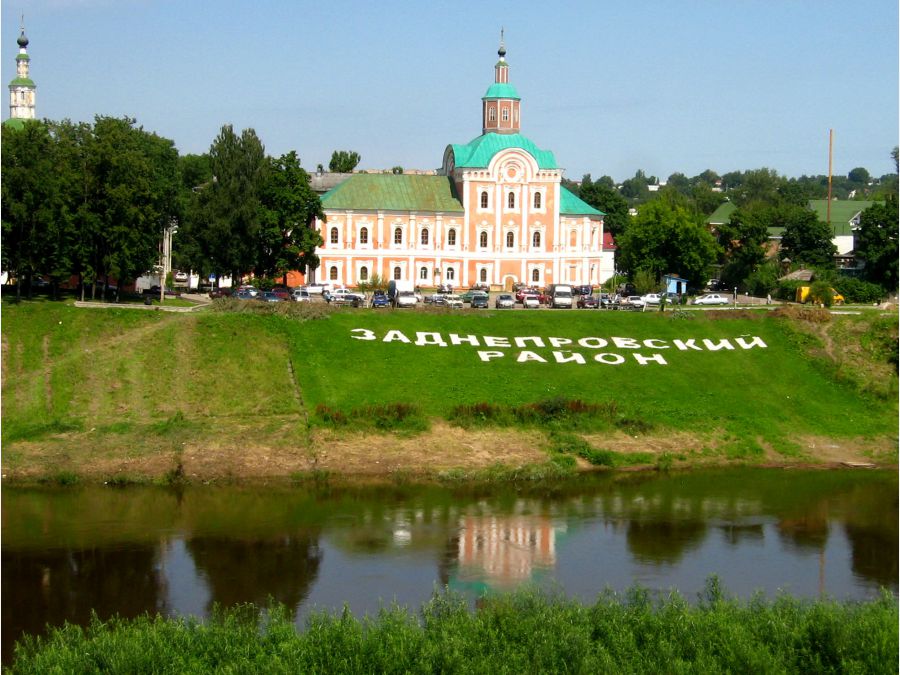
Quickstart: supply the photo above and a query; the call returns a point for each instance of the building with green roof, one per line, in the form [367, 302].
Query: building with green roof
[495, 213]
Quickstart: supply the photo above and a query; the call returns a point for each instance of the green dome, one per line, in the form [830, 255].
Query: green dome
[501, 90]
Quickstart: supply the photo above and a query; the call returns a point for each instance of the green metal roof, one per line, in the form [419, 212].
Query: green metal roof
[394, 192]
[22, 82]
[842, 212]
[479, 151]
[501, 90]
[722, 214]
[570, 205]
[16, 123]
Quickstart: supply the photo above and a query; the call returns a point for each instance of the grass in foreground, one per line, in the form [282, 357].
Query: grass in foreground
[526, 632]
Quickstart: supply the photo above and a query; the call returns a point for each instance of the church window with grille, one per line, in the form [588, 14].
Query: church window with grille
[334, 235]
[398, 273]
[537, 200]
[332, 274]
[511, 200]
[398, 235]
[510, 239]
[536, 240]
[364, 235]
[364, 273]
[424, 237]
[483, 240]
[451, 237]
[484, 199]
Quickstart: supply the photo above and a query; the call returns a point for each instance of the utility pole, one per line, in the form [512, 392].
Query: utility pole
[830, 146]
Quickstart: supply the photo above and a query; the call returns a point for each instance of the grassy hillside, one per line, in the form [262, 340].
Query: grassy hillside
[130, 384]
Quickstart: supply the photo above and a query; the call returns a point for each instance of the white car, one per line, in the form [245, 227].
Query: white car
[650, 299]
[453, 301]
[301, 295]
[505, 301]
[634, 302]
[712, 299]
[405, 299]
[531, 301]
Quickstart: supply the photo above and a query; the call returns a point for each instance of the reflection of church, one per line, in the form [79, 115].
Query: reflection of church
[504, 551]
[495, 213]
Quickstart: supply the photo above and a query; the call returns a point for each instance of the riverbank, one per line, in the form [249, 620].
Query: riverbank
[288, 393]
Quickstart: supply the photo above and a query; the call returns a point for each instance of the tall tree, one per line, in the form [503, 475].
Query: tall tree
[876, 243]
[289, 205]
[667, 238]
[743, 241]
[603, 196]
[230, 202]
[805, 238]
[343, 161]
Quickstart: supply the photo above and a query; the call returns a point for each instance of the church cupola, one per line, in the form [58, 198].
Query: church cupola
[500, 104]
[21, 89]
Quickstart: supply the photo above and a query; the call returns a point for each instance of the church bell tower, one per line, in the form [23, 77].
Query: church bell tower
[21, 89]
[500, 104]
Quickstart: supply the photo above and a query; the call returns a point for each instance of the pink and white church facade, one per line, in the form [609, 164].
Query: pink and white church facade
[495, 213]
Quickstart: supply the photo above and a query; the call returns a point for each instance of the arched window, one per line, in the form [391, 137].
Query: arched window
[511, 200]
[510, 239]
[482, 240]
[363, 273]
[492, 114]
[423, 273]
[451, 237]
[483, 276]
[484, 199]
[334, 235]
[535, 275]
[536, 240]
[332, 273]
[537, 200]
[397, 273]
[364, 235]
[573, 238]
[424, 237]
[504, 114]
[451, 274]
[398, 235]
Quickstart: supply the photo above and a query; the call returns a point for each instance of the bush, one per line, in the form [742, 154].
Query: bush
[858, 291]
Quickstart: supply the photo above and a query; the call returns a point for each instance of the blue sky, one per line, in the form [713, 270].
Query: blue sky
[610, 88]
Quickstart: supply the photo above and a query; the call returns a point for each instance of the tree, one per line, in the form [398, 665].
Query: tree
[397, 170]
[666, 238]
[343, 161]
[289, 205]
[601, 195]
[743, 240]
[805, 239]
[29, 188]
[876, 243]
[859, 175]
[229, 217]
[636, 188]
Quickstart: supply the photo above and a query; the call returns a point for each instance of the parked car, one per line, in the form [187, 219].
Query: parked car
[504, 301]
[585, 289]
[246, 288]
[606, 300]
[650, 299]
[405, 299]
[344, 296]
[301, 295]
[213, 293]
[531, 301]
[435, 299]
[479, 300]
[588, 302]
[453, 301]
[380, 299]
[631, 302]
[282, 292]
[525, 290]
[711, 299]
[319, 289]
[269, 296]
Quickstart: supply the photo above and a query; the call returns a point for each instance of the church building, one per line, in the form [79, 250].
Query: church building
[22, 88]
[495, 213]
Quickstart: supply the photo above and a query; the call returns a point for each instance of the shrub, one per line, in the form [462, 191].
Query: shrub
[858, 291]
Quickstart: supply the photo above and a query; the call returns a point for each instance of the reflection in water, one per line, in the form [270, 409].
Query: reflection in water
[237, 571]
[67, 585]
[663, 541]
[66, 552]
[503, 551]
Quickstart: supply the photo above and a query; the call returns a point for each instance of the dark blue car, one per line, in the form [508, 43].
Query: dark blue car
[381, 300]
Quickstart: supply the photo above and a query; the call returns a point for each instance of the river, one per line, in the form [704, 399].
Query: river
[69, 551]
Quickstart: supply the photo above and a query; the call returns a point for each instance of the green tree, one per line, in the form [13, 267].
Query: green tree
[289, 205]
[805, 239]
[603, 196]
[859, 175]
[743, 241]
[343, 161]
[229, 205]
[665, 238]
[876, 243]
[635, 189]
[28, 191]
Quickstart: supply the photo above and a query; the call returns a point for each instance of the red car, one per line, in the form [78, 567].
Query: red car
[525, 290]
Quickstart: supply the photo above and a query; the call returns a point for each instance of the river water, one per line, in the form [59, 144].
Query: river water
[66, 552]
